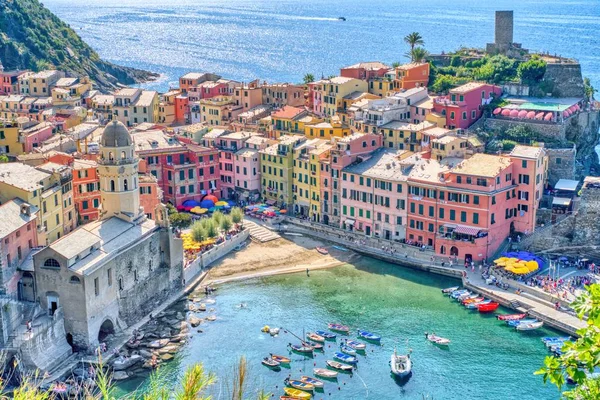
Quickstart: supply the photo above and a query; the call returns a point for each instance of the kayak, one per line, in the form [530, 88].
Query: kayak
[369, 336]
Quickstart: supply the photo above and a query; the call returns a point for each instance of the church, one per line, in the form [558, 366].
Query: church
[106, 275]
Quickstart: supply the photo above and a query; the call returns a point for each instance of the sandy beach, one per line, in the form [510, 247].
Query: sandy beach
[284, 255]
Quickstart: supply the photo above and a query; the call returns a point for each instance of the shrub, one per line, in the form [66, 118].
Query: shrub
[198, 232]
[180, 220]
[237, 215]
[532, 71]
[226, 224]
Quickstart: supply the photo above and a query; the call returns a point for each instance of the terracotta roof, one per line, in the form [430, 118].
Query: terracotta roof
[288, 112]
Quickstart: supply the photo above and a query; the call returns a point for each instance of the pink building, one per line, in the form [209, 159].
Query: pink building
[18, 236]
[374, 194]
[247, 168]
[344, 152]
[208, 90]
[464, 105]
[9, 82]
[365, 70]
[228, 145]
[35, 135]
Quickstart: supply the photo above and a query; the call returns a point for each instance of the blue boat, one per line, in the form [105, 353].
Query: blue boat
[369, 335]
[345, 358]
[353, 344]
[458, 293]
[555, 339]
[519, 322]
[347, 350]
[326, 334]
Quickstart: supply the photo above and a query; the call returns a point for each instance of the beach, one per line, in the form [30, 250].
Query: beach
[284, 255]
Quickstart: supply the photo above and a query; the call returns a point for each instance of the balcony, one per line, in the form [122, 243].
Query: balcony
[123, 161]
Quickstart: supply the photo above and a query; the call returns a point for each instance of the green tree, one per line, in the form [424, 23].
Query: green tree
[588, 89]
[532, 71]
[3, 158]
[211, 229]
[521, 133]
[418, 54]
[226, 224]
[413, 39]
[171, 209]
[395, 64]
[198, 232]
[237, 215]
[580, 358]
[218, 217]
[443, 83]
[308, 78]
[456, 61]
[180, 220]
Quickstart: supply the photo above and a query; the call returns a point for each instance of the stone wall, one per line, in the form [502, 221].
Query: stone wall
[12, 315]
[561, 164]
[564, 80]
[588, 217]
[548, 130]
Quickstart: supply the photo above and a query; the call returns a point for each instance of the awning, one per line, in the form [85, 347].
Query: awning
[467, 230]
[350, 222]
[561, 201]
[566, 184]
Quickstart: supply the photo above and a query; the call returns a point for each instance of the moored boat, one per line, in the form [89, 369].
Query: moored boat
[280, 359]
[326, 335]
[529, 326]
[369, 335]
[347, 350]
[522, 321]
[297, 393]
[269, 362]
[472, 300]
[322, 250]
[345, 358]
[489, 307]
[338, 327]
[302, 348]
[318, 384]
[325, 373]
[437, 339]
[474, 306]
[353, 344]
[316, 346]
[511, 317]
[298, 384]
[315, 337]
[401, 364]
[450, 289]
[459, 292]
[555, 338]
[339, 366]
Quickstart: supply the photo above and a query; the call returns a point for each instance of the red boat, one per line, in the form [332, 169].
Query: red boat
[489, 307]
[511, 317]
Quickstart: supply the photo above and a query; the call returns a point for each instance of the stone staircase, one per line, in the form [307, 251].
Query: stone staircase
[260, 233]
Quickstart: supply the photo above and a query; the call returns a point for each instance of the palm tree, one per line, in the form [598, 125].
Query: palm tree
[414, 39]
[308, 78]
[418, 54]
[395, 64]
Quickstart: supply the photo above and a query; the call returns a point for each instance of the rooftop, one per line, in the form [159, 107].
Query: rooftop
[44, 74]
[246, 152]
[237, 135]
[193, 75]
[383, 164]
[446, 139]
[109, 236]
[215, 133]
[12, 218]
[127, 92]
[369, 65]
[482, 165]
[104, 99]
[410, 66]
[84, 164]
[288, 112]
[429, 171]
[526, 152]
[468, 87]
[407, 126]
[437, 132]
[339, 80]
[146, 98]
[155, 140]
[65, 82]
[22, 176]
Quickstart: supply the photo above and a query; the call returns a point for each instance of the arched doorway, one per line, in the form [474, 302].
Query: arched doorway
[454, 251]
[107, 328]
[27, 287]
[52, 302]
[443, 249]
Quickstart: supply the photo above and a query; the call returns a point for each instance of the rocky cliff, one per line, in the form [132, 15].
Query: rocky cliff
[31, 37]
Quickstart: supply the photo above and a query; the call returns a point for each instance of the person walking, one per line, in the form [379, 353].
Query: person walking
[307, 273]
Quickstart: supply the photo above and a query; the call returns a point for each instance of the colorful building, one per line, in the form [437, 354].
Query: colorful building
[228, 145]
[166, 107]
[86, 190]
[247, 168]
[305, 186]
[410, 76]
[193, 79]
[33, 134]
[135, 106]
[289, 121]
[365, 70]
[283, 94]
[63, 175]
[248, 95]
[327, 130]
[464, 105]
[9, 138]
[9, 82]
[328, 94]
[219, 111]
[102, 107]
[403, 135]
[40, 84]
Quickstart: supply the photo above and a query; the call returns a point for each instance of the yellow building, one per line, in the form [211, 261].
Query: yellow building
[102, 107]
[381, 86]
[41, 83]
[403, 135]
[332, 93]
[135, 106]
[219, 110]
[318, 154]
[9, 138]
[39, 188]
[277, 163]
[290, 121]
[166, 107]
[327, 130]
[69, 91]
[449, 146]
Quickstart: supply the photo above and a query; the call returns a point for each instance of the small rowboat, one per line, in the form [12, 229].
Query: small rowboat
[339, 365]
[280, 359]
[530, 326]
[297, 393]
[326, 335]
[511, 317]
[322, 250]
[473, 306]
[473, 300]
[313, 381]
[315, 338]
[353, 344]
[271, 363]
[347, 350]
[555, 339]
[339, 328]
[325, 373]
[302, 348]
[449, 290]
[440, 341]
[486, 308]
[465, 296]
[289, 398]
[316, 346]
[298, 384]
[369, 336]
[523, 321]
[458, 293]
[345, 358]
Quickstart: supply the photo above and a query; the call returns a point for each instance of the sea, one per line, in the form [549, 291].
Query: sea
[486, 359]
[282, 40]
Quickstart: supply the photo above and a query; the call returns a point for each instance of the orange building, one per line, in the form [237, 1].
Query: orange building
[86, 190]
[410, 76]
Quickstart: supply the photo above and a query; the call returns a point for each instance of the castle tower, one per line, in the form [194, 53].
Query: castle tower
[504, 29]
[118, 172]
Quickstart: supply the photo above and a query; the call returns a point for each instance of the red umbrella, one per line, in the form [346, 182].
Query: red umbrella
[497, 111]
[505, 112]
[522, 114]
[514, 113]
[531, 115]
[548, 117]
[211, 197]
[577, 107]
[539, 115]
[566, 113]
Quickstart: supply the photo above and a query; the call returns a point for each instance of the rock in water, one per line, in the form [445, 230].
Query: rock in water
[120, 375]
[195, 321]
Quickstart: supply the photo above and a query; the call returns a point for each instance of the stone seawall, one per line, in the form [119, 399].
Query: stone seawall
[564, 80]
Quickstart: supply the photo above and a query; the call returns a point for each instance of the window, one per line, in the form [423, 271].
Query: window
[458, 179]
[441, 212]
[463, 216]
[125, 185]
[109, 276]
[96, 203]
[431, 211]
[84, 205]
[464, 115]
[452, 115]
[524, 163]
[475, 199]
[74, 280]
[112, 185]
[96, 287]
[476, 218]
[452, 215]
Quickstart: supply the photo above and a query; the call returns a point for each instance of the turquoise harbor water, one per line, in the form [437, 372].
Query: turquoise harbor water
[486, 360]
[281, 40]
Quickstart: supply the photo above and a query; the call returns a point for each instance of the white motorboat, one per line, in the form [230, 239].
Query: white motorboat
[401, 364]
[437, 339]
[529, 326]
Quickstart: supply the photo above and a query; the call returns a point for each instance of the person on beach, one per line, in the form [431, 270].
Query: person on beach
[307, 274]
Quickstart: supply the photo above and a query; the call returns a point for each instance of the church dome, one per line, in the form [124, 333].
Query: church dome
[115, 135]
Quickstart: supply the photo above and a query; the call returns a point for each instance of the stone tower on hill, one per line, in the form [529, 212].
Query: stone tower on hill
[503, 37]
